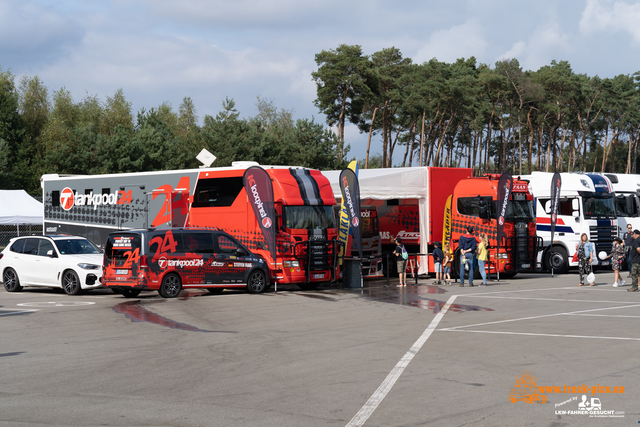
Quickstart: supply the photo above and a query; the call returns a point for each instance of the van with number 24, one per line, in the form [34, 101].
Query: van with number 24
[169, 260]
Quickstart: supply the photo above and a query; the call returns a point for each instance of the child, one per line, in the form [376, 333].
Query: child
[448, 257]
[617, 255]
[438, 256]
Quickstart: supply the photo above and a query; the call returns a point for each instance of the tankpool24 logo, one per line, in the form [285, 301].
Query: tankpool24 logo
[69, 199]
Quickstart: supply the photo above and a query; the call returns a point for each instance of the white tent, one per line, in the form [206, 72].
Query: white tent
[17, 207]
[394, 183]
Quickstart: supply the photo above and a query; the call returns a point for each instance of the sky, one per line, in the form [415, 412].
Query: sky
[162, 51]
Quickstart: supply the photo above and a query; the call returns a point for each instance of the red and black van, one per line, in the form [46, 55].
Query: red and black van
[170, 259]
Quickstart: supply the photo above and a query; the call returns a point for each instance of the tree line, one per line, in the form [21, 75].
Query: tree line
[473, 115]
[43, 132]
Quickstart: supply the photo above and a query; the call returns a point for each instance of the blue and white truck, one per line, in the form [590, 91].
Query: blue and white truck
[586, 205]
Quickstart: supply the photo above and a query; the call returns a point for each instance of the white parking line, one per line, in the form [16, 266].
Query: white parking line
[542, 299]
[542, 335]
[365, 412]
[538, 317]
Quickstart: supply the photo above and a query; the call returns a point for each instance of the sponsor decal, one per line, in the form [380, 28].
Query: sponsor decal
[257, 184]
[446, 226]
[355, 222]
[163, 262]
[217, 264]
[242, 264]
[66, 198]
[266, 222]
[69, 199]
[410, 235]
[520, 187]
[122, 242]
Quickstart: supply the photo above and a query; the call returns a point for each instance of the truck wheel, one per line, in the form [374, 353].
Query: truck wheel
[170, 287]
[257, 282]
[557, 258]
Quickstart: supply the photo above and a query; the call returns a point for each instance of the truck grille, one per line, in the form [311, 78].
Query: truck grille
[602, 236]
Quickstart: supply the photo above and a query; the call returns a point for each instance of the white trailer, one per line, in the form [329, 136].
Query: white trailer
[586, 205]
[627, 189]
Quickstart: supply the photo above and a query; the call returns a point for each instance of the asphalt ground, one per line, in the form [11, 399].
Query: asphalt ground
[377, 356]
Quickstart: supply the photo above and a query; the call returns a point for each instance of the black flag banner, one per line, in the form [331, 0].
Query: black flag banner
[257, 182]
[351, 198]
[505, 186]
[556, 183]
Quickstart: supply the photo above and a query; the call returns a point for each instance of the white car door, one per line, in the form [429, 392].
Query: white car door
[24, 262]
[47, 264]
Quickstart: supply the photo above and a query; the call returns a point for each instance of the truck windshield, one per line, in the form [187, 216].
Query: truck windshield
[598, 206]
[309, 217]
[520, 209]
[627, 205]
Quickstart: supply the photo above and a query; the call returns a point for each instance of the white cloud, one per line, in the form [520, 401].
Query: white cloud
[610, 17]
[516, 51]
[459, 41]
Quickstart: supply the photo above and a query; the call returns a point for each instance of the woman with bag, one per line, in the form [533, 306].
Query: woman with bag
[585, 257]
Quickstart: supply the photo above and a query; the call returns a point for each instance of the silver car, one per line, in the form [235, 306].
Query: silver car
[68, 262]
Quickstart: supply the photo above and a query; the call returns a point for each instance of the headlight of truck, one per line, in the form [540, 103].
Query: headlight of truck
[289, 264]
[86, 266]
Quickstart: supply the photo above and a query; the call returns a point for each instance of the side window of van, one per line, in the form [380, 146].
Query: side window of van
[226, 245]
[201, 243]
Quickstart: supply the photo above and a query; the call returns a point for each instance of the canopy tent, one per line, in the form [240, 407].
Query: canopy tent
[17, 208]
[394, 183]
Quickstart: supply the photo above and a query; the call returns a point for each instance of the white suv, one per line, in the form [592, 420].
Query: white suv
[67, 262]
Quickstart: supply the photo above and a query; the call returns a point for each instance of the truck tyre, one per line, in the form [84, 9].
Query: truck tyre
[557, 257]
[257, 282]
[170, 287]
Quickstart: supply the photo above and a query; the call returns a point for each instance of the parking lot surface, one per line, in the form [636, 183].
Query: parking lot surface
[519, 352]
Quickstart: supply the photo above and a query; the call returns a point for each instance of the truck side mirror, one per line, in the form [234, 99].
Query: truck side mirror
[547, 207]
[575, 204]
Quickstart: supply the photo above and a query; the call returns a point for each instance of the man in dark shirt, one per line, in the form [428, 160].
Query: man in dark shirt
[628, 241]
[467, 245]
[635, 261]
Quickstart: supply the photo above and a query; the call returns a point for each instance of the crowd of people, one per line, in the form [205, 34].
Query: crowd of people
[473, 253]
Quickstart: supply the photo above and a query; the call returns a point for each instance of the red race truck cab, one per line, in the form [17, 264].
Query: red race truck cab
[306, 249]
[474, 203]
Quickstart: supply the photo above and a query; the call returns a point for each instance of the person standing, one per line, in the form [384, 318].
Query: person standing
[635, 261]
[585, 257]
[448, 256]
[483, 256]
[467, 245]
[617, 255]
[438, 257]
[402, 256]
[628, 241]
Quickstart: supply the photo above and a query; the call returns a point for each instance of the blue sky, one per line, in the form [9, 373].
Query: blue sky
[162, 50]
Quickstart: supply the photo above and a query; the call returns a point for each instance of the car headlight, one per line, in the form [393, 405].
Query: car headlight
[290, 264]
[86, 266]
